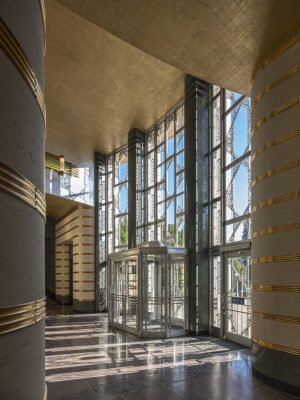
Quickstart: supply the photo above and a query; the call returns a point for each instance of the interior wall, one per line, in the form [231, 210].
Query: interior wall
[62, 275]
[80, 154]
[50, 258]
[73, 151]
[78, 229]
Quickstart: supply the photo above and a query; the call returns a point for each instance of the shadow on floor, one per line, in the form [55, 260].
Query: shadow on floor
[86, 360]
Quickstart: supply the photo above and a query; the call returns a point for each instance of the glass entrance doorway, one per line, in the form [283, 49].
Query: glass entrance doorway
[147, 290]
[124, 293]
[237, 299]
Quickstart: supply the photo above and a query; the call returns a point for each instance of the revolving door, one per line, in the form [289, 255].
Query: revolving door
[147, 291]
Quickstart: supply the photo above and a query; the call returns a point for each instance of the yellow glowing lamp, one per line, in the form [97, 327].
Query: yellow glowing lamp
[61, 164]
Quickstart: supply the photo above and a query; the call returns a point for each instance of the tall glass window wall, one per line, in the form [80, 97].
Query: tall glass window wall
[117, 200]
[165, 174]
[230, 228]
[160, 202]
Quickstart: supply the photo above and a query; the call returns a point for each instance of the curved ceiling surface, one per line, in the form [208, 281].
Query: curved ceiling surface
[116, 65]
[220, 41]
[98, 87]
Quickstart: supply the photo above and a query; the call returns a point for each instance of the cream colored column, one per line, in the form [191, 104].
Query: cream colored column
[84, 262]
[64, 232]
[276, 218]
[22, 204]
[77, 229]
[62, 274]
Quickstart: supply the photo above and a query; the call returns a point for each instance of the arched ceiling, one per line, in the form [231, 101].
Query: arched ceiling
[220, 41]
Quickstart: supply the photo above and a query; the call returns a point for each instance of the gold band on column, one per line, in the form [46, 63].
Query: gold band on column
[16, 54]
[291, 103]
[276, 317]
[275, 171]
[274, 346]
[276, 54]
[277, 288]
[20, 316]
[275, 142]
[291, 72]
[271, 259]
[16, 184]
[276, 200]
[275, 229]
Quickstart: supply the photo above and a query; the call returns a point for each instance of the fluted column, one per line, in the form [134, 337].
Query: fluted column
[84, 262]
[276, 218]
[22, 205]
[76, 229]
[62, 274]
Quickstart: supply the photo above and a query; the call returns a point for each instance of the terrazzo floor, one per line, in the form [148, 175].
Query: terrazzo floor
[86, 360]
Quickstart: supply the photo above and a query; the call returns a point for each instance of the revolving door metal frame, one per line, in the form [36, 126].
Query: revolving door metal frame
[142, 301]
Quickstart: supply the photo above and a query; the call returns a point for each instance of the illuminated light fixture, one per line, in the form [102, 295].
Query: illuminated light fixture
[61, 164]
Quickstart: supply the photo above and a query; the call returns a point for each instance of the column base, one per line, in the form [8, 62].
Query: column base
[84, 306]
[63, 299]
[277, 369]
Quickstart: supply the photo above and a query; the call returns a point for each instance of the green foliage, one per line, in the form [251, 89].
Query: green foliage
[240, 267]
[180, 239]
[123, 232]
[171, 234]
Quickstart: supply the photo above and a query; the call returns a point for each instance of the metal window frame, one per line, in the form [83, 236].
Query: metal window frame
[223, 249]
[115, 185]
[156, 184]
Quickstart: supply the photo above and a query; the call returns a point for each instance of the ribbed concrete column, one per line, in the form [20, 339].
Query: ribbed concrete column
[22, 207]
[77, 229]
[62, 274]
[84, 262]
[276, 218]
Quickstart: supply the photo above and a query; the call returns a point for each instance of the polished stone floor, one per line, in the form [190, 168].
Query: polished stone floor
[86, 360]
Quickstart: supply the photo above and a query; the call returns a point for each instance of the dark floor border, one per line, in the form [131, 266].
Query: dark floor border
[285, 387]
[63, 299]
[84, 306]
[200, 333]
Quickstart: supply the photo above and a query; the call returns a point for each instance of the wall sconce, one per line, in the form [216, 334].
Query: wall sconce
[61, 164]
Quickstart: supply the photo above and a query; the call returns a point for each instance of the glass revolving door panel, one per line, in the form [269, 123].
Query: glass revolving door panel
[131, 295]
[123, 293]
[153, 294]
[177, 292]
[147, 290]
[238, 304]
[117, 292]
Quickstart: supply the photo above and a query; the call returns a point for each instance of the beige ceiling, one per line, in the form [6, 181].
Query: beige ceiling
[58, 207]
[116, 65]
[98, 87]
[220, 41]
